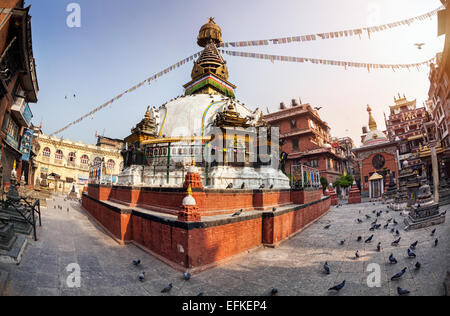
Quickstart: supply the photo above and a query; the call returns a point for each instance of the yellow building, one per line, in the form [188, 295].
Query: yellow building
[61, 164]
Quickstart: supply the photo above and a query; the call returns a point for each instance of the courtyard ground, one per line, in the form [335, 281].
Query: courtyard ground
[294, 268]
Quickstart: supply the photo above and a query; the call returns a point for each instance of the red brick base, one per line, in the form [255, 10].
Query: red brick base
[201, 245]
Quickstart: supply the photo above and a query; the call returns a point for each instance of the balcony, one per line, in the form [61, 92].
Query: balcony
[21, 111]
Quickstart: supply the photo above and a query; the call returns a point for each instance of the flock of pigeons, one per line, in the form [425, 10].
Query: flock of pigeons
[326, 267]
[392, 260]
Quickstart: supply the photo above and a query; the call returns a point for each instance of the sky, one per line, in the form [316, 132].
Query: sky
[121, 43]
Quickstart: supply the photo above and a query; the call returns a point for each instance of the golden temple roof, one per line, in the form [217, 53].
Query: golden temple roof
[146, 126]
[210, 62]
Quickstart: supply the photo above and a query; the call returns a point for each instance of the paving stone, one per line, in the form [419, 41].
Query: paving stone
[294, 268]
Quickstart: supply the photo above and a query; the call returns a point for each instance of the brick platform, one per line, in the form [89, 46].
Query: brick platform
[217, 238]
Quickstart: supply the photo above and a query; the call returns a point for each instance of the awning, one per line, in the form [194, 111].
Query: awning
[375, 176]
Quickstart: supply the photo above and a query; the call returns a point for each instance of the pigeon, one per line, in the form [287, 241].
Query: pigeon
[379, 247]
[386, 226]
[342, 242]
[167, 288]
[392, 259]
[444, 213]
[397, 232]
[414, 245]
[436, 242]
[137, 262]
[368, 240]
[262, 186]
[433, 232]
[274, 209]
[318, 108]
[359, 238]
[395, 223]
[374, 223]
[373, 212]
[359, 221]
[274, 292]
[230, 186]
[187, 276]
[372, 228]
[141, 276]
[392, 230]
[411, 254]
[338, 287]
[368, 217]
[271, 187]
[238, 213]
[419, 45]
[327, 227]
[326, 268]
[243, 186]
[396, 242]
[200, 294]
[389, 220]
[399, 275]
[402, 292]
[357, 254]
[418, 265]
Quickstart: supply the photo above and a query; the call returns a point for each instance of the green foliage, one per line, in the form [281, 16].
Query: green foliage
[324, 182]
[344, 181]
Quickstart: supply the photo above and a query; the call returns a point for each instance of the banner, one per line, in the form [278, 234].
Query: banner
[336, 34]
[344, 64]
[110, 102]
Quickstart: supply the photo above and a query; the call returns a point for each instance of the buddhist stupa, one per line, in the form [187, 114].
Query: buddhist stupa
[206, 122]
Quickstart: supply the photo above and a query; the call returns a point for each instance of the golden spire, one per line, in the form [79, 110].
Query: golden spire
[210, 32]
[147, 114]
[189, 190]
[372, 123]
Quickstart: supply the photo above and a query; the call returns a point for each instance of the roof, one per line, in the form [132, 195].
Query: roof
[375, 176]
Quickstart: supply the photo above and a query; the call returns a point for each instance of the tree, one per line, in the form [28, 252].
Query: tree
[324, 182]
[344, 181]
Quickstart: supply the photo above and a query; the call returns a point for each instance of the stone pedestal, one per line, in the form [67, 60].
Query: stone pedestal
[354, 196]
[424, 216]
[193, 179]
[391, 190]
[447, 284]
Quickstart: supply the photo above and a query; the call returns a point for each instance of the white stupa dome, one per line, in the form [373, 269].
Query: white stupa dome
[189, 201]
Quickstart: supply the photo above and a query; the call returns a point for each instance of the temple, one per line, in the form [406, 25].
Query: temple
[230, 143]
[202, 179]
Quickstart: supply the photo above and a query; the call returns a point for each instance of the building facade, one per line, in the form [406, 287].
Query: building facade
[305, 137]
[18, 88]
[439, 93]
[405, 125]
[377, 157]
[62, 163]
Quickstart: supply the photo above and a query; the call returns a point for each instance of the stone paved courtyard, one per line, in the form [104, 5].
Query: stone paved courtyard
[294, 268]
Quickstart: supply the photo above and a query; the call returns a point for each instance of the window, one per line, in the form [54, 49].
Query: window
[295, 144]
[84, 160]
[314, 163]
[72, 157]
[97, 161]
[110, 164]
[46, 152]
[293, 124]
[366, 179]
[59, 155]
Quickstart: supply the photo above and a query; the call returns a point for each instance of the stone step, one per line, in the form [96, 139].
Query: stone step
[14, 256]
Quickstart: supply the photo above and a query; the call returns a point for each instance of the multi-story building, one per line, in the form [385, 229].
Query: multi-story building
[405, 126]
[439, 93]
[62, 163]
[344, 147]
[110, 143]
[18, 88]
[305, 137]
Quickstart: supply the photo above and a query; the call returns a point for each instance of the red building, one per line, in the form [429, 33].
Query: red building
[18, 88]
[377, 157]
[306, 138]
[439, 93]
[405, 126]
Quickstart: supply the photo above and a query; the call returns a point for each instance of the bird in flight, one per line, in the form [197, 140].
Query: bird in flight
[419, 45]
[318, 108]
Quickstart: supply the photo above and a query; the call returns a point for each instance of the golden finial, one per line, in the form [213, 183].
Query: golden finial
[193, 163]
[372, 123]
[147, 114]
[14, 166]
[189, 190]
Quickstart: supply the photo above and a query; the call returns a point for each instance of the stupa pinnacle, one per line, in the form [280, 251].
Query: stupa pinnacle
[210, 72]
